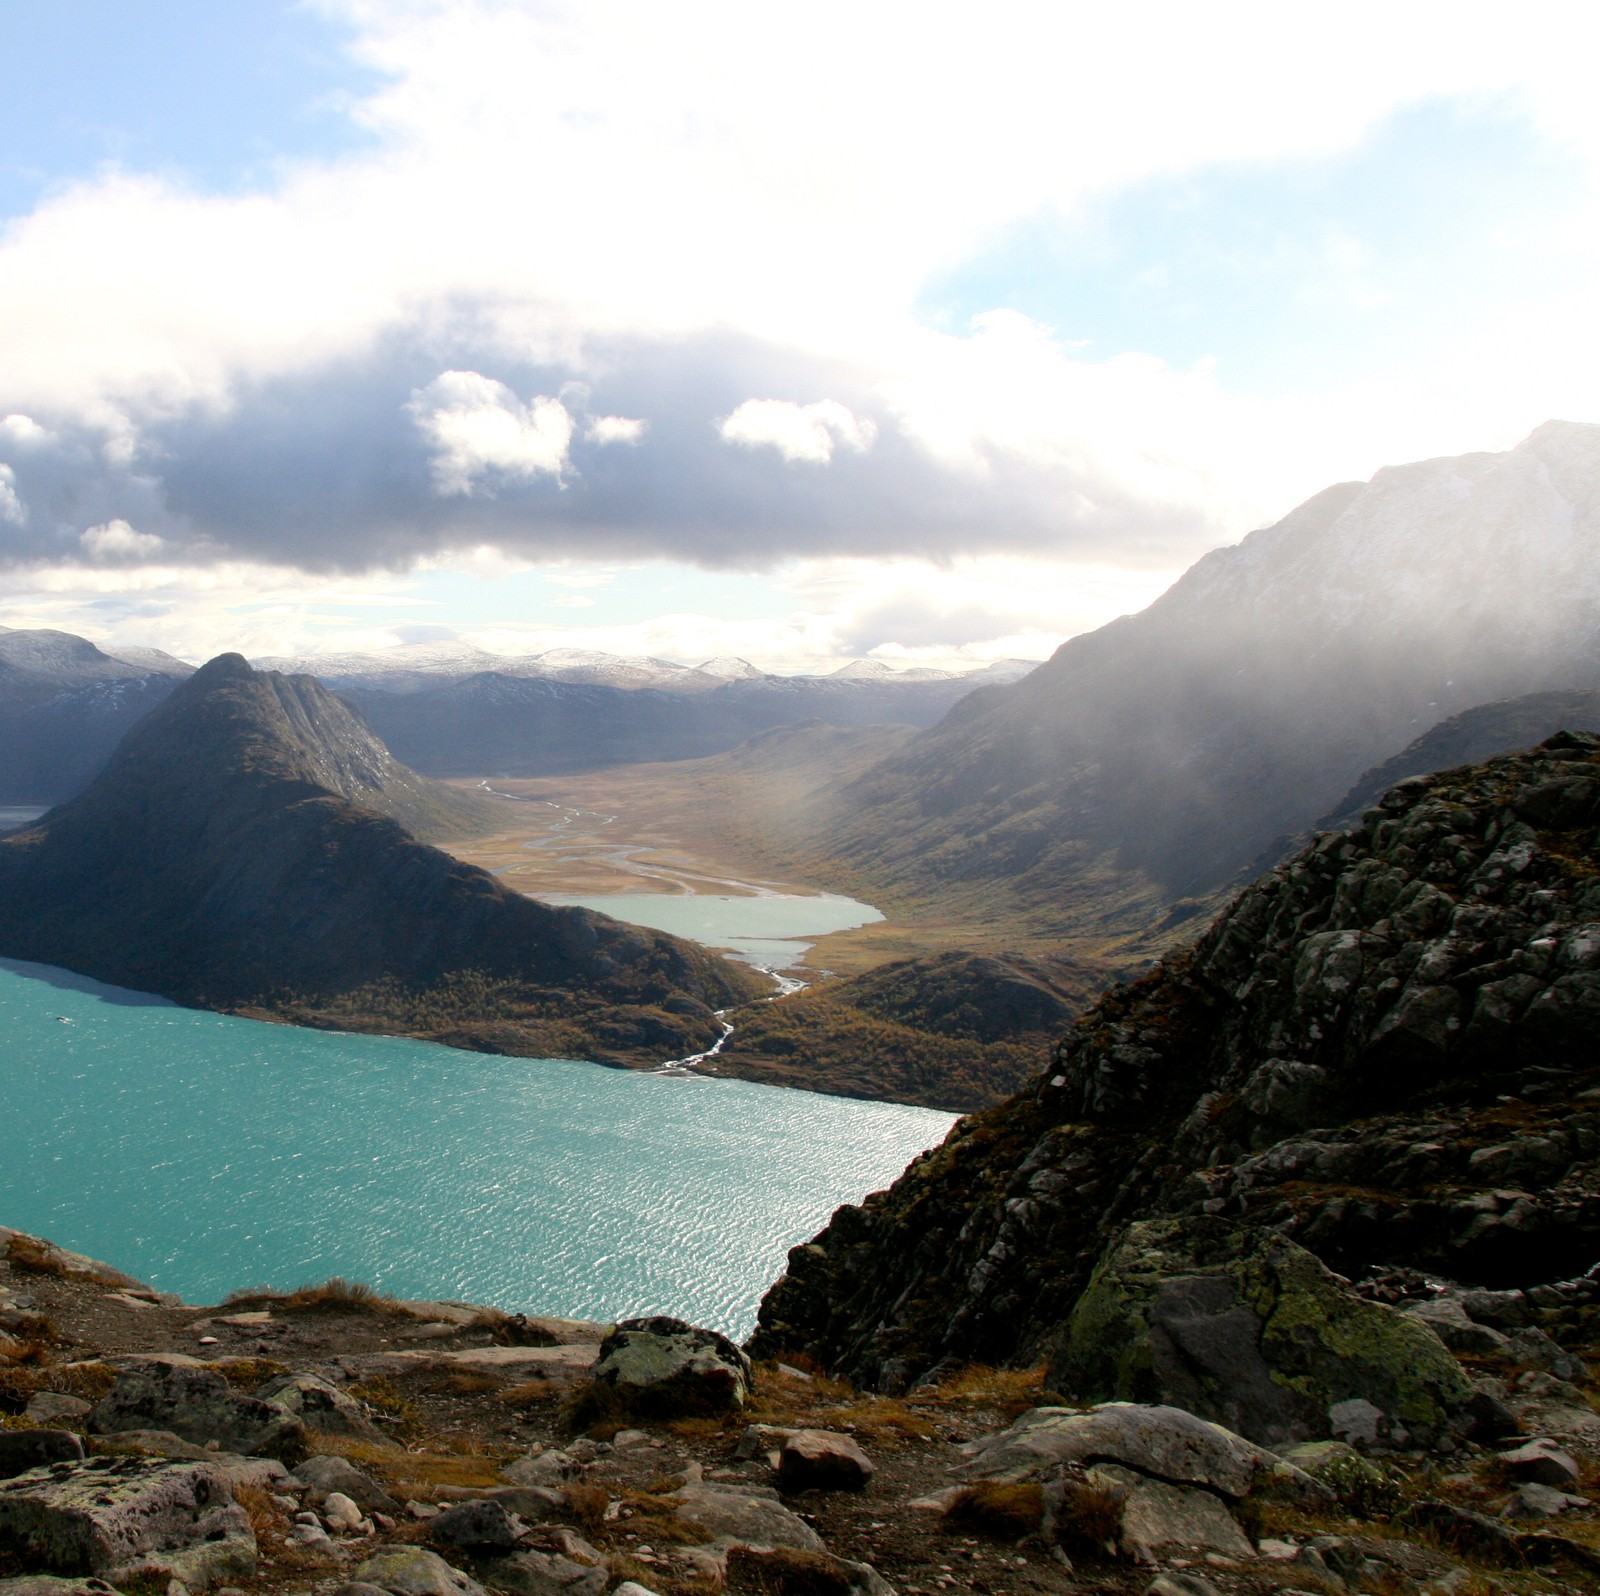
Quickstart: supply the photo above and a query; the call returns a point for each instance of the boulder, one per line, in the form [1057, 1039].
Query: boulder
[105, 1515]
[414, 1571]
[535, 1573]
[341, 1513]
[197, 1404]
[483, 1528]
[1162, 1443]
[1541, 1462]
[21, 1450]
[820, 1460]
[1160, 1521]
[321, 1405]
[1531, 1501]
[742, 1518]
[325, 1475]
[665, 1367]
[1250, 1329]
[541, 1468]
[1447, 1317]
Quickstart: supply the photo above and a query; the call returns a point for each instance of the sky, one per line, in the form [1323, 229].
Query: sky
[928, 334]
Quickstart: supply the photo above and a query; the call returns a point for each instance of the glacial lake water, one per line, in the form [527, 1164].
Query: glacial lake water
[772, 930]
[205, 1153]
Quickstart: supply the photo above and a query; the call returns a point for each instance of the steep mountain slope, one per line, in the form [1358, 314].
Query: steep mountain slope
[230, 856]
[1383, 1050]
[1476, 734]
[1153, 759]
[63, 706]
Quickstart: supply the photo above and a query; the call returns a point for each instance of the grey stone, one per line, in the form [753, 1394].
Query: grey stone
[1542, 1462]
[358, 1587]
[1530, 1501]
[340, 1512]
[105, 1514]
[414, 1571]
[198, 1405]
[742, 1518]
[55, 1585]
[632, 1587]
[320, 1405]
[483, 1528]
[1448, 1319]
[1181, 1582]
[1161, 1442]
[1532, 1346]
[756, 1440]
[324, 1475]
[534, 1573]
[50, 1407]
[664, 1366]
[820, 1460]
[541, 1468]
[21, 1450]
[1161, 1520]
[1360, 1423]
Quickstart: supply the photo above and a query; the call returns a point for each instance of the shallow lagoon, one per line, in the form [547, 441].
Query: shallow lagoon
[206, 1153]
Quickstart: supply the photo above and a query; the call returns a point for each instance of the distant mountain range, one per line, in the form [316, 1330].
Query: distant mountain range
[1148, 762]
[238, 853]
[452, 709]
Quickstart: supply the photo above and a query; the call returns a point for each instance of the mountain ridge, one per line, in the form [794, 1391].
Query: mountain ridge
[218, 860]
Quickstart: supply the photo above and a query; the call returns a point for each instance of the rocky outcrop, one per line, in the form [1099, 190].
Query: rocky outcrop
[1382, 1051]
[1247, 1328]
[662, 1366]
[221, 860]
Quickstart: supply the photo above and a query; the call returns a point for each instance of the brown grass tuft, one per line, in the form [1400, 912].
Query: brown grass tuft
[1090, 1520]
[528, 1394]
[34, 1257]
[334, 1295]
[587, 1504]
[999, 1511]
[785, 1572]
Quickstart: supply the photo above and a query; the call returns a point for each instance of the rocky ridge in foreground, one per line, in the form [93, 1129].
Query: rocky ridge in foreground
[333, 1442]
[1380, 1060]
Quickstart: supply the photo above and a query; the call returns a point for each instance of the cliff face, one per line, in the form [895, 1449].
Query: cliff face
[232, 855]
[1382, 1051]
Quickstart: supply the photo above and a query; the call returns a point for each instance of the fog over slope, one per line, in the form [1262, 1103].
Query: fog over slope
[1158, 756]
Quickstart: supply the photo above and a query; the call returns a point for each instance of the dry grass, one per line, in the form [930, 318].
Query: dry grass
[334, 1295]
[385, 1398]
[245, 1374]
[528, 1394]
[997, 1511]
[400, 1466]
[461, 1383]
[588, 1504]
[33, 1257]
[820, 1403]
[1089, 1520]
[1007, 1393]
[785, 1572]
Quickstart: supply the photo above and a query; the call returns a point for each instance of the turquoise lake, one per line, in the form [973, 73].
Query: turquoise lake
[205, 1153]
[772, 930]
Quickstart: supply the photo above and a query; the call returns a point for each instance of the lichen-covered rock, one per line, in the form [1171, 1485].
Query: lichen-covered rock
[198, 1405]
[415, 1571]
[326, 1474]
[665, 1367]
[537, 1573]
[1249, 1329]
[482, 1528]
[1382, 1050]
[734, 1517]
[106, 1514]
[1160, 1521]
[320, 1405]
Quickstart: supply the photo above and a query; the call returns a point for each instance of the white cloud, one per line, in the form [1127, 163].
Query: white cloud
[798, 432]
[12, 508]
[116, 540]
[479, 429]
[22, 431]
[615, 429]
